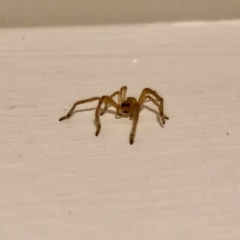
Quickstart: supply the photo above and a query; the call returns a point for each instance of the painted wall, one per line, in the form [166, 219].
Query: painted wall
[15, 13]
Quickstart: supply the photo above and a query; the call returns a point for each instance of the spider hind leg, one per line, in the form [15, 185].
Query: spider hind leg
[69, 114]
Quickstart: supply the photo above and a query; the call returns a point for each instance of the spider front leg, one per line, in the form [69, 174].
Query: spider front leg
[144, 96]
[134, 114]
[121, 97]
[74, 106]
[108, 101]
[106, 105]
[163, 116]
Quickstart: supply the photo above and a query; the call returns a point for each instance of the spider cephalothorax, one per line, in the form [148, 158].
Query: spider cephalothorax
[130, 106]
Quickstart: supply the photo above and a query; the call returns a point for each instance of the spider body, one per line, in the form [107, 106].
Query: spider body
[128, 105]
[125, 106]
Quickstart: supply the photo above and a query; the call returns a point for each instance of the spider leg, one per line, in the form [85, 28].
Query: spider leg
[163, 116]
[123, 92]
[74, 106]
[135, 114]
[143, 97]
[106, 105]
[121, 97]
[108, 101]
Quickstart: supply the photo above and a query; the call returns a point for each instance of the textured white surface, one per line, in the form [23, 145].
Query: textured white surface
[58, 181]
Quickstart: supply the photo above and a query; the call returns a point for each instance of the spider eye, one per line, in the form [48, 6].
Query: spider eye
[124, 104]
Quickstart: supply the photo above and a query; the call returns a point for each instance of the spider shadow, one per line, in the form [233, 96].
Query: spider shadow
[142, 107]
[91, 109]
[83, 110]
[155, 112]
[112, 112]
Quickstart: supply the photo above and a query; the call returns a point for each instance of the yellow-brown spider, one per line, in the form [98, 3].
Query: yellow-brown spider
[128, 106]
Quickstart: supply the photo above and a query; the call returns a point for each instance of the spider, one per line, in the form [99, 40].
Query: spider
[126, 106]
